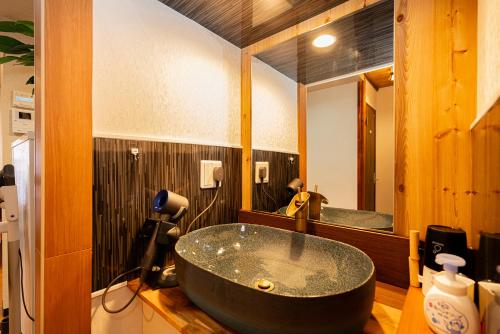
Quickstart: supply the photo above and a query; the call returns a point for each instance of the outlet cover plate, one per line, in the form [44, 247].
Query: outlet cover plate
[259, 164]
[207, 173]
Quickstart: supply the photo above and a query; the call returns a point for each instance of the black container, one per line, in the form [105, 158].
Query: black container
[443, 239]
[488, 257]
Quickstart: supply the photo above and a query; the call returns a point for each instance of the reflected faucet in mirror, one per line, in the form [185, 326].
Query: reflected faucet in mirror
[315, 201]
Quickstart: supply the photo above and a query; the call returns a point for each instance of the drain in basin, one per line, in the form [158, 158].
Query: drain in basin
[264, 285]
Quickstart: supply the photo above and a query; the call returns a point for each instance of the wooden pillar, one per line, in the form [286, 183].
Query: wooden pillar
[302, 131]
[63, 42]
[246, 129]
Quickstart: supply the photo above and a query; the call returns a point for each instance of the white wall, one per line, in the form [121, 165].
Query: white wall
[12, 77]
[488, 49]
[332, 143]
[274, 109]
[384, 196]
[161, 76]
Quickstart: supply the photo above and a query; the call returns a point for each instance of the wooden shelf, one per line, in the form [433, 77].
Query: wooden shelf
[173, 306]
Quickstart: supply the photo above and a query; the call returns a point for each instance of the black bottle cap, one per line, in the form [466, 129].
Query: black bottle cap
[443, 239]
[489, 257]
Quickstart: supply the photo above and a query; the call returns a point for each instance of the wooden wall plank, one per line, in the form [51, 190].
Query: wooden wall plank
[68, 126]
[434, 107]
[246, 129]
[68, 295]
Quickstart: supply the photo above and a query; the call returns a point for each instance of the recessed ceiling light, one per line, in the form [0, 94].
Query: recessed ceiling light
[323, 41]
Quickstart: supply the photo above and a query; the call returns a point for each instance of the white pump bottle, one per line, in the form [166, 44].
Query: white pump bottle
[447, 308]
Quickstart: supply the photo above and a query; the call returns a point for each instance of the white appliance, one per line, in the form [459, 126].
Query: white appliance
[23, 159]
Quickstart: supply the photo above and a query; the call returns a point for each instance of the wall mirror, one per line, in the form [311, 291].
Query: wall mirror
[323, 111]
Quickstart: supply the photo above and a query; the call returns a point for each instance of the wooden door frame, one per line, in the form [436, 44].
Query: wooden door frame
[361, 155]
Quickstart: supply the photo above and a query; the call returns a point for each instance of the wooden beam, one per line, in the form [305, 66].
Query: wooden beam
[246, 129]
[302, 131]
[347, 8]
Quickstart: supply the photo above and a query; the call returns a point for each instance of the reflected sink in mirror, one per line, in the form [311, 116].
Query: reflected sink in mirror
[258, 279]
[354, 218]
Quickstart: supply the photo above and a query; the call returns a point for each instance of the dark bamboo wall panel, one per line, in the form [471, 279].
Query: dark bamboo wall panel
[281, 171]
[364, 40]
[244, 22]
[124, 188]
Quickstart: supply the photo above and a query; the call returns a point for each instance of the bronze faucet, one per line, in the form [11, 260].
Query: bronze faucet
[298, 208]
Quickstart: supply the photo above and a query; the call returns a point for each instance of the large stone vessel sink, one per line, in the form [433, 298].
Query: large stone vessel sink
[257, 279]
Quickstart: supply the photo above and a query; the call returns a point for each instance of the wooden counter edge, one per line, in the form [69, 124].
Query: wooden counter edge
[388, 299]
[412, 316]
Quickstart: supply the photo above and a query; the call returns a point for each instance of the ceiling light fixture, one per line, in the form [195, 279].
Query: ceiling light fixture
[323, 41]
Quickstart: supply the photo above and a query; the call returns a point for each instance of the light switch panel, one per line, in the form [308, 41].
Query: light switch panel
[258, 165]
[207, 173]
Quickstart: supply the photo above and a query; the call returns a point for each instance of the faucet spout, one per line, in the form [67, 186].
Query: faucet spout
[299, 208]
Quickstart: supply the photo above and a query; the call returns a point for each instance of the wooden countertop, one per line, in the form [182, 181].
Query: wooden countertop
[173, 306]
[412, 317]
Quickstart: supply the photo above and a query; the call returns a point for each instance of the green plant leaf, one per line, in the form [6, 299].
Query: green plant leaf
[21, 27]
[7, 59]
[27, 59]
[9, 44]
[31, 81]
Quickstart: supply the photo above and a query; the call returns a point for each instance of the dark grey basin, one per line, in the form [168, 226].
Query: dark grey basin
[320, 285]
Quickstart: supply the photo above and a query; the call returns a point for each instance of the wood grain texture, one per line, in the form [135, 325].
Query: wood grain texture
[412, 317]
[380, 78]
[124, 189]
[67, 293]
[302, 131]
[434, 107]
[244, 22]
[486, 179]
[67, 127]
[388, 252]
[281, 171]
[364, 40]
[342, 10]
[174, 306]
[361, 133]
[246, 130]
[63, 165]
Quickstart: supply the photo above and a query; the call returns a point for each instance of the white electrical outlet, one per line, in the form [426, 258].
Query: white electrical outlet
[258, 165]
[207, 173]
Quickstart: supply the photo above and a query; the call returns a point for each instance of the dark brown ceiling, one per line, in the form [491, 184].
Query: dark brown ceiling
[244, 22]
[364, 40]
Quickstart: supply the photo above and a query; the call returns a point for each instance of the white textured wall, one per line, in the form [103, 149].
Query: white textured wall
[384, 190]
[159, 75]
[488, 55]
[332, 144]
[274, 109]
